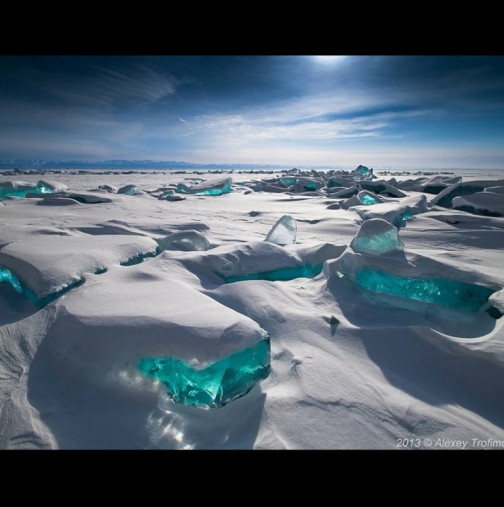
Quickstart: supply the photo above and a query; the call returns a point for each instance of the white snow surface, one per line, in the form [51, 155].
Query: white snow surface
[348, 370]
[482, 202]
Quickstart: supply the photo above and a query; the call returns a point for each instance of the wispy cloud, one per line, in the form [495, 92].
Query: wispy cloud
[107, 88]
[281, 110]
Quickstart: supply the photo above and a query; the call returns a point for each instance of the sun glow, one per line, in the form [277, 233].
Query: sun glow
[328, 59]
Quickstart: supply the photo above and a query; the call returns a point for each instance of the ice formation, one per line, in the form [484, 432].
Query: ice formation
[211, 385]
[88, 197]
[481, 203]
[7, 276]
[441, 291]
[362, 173]
[210, 187]
[22, 189]
[60, 261]
[170, 195]
[108, 188]
[446, 197]
[352, 201]
[186, 241]
[397, 213]
[495, 190]
[284, 232]
[377, 237]
[381, 187]
[288, 180]
[368, 198]
[128, 190]
[433, 185]
[205, 353]
[279, 275]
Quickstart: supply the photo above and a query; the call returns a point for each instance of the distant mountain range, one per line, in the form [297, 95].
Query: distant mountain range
[133, 164]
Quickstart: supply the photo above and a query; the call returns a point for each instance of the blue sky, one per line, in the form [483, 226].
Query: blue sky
[412, 111]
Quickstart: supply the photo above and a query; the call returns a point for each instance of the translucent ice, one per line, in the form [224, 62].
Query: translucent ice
[280, 275]
[283, 232]
[128, 190]
[187, 241]
[7, 276]
[212, 385]
[451, 293]
[288, 181]
[362, 172]
[16, 189]
[211, 187]
[377, 237]
[368, 198]
[309, 184]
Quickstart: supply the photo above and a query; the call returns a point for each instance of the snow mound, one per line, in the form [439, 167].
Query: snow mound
[170, 195]
[102, 332]
[57, 201]
[397, 213]
[495, 190]
[444, 198]
[433, 185]
[59, 261]
[481, 203]
[88, 197]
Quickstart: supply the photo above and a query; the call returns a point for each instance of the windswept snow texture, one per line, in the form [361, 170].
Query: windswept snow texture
[157, 316]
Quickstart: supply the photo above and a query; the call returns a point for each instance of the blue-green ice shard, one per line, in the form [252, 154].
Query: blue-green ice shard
[216, 187]
[213, 385]
[368, 200]
[14, 192]
[288, 181]
[280, 275]
[7, 276]
[441, 291]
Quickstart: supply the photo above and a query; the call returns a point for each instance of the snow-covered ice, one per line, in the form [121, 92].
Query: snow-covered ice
[371, 313]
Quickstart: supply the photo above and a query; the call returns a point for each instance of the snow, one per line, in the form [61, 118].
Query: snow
[358, 360]
[481, 203]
